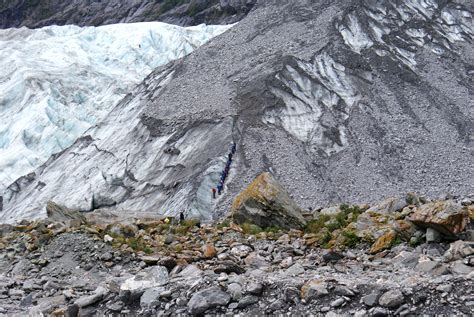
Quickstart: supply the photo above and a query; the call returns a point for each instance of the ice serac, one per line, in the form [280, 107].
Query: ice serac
[343, 101]
[56, 82]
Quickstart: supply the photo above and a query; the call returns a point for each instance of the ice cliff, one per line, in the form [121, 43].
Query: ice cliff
[58, 81]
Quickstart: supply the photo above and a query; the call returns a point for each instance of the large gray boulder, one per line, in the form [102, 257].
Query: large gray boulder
[266, 203]
[206, 299]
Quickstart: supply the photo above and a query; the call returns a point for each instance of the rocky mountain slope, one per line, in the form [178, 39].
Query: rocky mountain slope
[37, 13]
[340, 100]
[58, 81]
[109, 263]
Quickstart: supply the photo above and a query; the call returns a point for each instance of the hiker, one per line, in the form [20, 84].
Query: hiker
[219, 188]
[230, 157]
[213, 193]
[181, 216]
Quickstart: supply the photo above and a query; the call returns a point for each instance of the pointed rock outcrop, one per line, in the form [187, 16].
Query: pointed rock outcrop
[267, 204]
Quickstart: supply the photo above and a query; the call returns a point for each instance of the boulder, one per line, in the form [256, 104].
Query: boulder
[391, 299]
[151, 277]
[384, 242]
[314, 289]
[61, 214]
[390, 205]
[371, 299]
[447, 217]
[459, 250]
[151, 297]
[267, 204]
[206, 299]
[98, 294]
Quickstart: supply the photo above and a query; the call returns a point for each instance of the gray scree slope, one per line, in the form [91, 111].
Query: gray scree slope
[344, 101]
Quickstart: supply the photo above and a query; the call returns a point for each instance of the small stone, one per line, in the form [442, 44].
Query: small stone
[241, 251]
[235, 291]
[343, 291]
[295, 269]
[391, 299]
[286, 263]
[460, 268]
[379, 312]
[360, 313]
[108, 239]
[27, 300]
[332, 256]
[168, 262]
[371, 299]
[255, 288]
[107, 256]
[444, 288]
[115, 307]
[427, 265]
[68, 293]
[223, 277]
[58, 312]
[150, 260]
[325, 309]
[314, 289]
[209, 251]
[338, 302]
[432, 235]
[247, 301]
[228, 267]
[151, 297]
[84, 301]
[275, 305]
[255, 261]
[169, 239]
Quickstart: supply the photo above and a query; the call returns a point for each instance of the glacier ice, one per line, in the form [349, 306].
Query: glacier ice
[58, 81]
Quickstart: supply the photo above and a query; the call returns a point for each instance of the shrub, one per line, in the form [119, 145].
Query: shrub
[316, 225]
[325, 238]
[223, 224]
[350, 239]
[250, 228]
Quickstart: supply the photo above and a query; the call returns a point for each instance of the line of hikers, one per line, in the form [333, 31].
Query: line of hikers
[225, 172]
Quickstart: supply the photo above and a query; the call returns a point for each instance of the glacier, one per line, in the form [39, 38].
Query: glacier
[58, 81]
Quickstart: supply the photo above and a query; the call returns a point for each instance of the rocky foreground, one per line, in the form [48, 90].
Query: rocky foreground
[403, 256]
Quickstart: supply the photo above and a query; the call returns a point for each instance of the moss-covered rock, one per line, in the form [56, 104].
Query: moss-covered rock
[447, 217]
[385, 241]
[267, 204]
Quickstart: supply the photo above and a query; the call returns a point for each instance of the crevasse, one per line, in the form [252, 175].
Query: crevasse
[58, 81]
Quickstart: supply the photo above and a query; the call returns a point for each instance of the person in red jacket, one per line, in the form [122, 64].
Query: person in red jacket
[213, 193]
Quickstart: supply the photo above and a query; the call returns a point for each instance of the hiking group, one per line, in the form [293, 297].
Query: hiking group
[225, 172]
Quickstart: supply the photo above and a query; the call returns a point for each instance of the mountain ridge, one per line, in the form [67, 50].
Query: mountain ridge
[36, 13]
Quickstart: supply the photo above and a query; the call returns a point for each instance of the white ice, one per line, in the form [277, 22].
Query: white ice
[57, 81]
